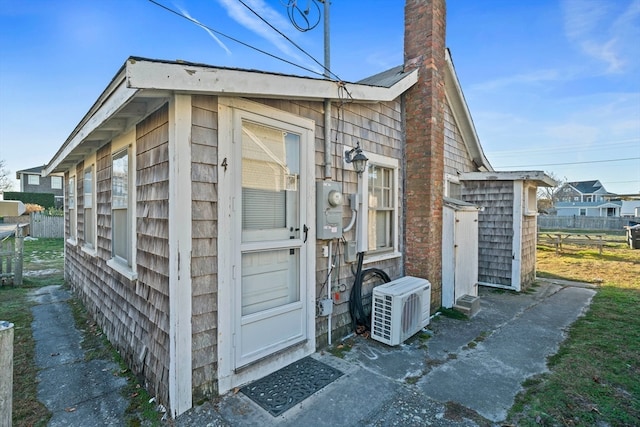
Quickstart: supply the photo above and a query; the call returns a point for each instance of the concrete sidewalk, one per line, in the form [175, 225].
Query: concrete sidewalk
[467, 374]
[76, 391]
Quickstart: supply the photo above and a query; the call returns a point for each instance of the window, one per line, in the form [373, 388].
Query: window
[120, 225]
[56, 182]
[583, 212]
[453, 187]
[71, 207]
[381, 186]
[33, 179]
[531, 199]
[89, 211]
[576, 199]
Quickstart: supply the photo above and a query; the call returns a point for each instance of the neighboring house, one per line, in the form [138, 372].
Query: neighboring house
[197, 208]
[32, 181]
[585, 198]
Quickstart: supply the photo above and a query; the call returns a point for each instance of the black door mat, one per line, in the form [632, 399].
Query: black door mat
[290, 385]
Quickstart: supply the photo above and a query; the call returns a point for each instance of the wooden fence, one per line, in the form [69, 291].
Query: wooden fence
[46, 226]
[585, 223]
[11, 257]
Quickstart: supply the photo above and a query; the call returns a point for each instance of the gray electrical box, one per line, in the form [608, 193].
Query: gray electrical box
[328, 210]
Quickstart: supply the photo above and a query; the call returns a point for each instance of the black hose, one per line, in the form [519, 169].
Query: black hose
[360, 317]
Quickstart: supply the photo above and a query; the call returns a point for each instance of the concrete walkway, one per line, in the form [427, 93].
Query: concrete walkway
[76, 391]
[468, 374]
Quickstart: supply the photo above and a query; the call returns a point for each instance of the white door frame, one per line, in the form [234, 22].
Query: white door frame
[228, 244]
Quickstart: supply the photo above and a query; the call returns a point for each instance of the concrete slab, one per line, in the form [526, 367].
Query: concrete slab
[487, 378]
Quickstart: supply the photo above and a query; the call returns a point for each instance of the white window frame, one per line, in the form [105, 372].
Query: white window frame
[72, 208]
[56, 182]
[90, 246]
[394, 165]
[453, 179]
[530, 200]
[33, 179]
[126, 267]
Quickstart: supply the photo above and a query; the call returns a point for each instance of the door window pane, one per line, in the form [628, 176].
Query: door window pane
[270, 175]
[269, 279]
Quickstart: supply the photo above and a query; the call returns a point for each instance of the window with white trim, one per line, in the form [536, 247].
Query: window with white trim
[453, 187]
[88, 185]
[120, 212]
[530, 199]
[71, 208]
[380, 184]
[56, 182]
[33, 179]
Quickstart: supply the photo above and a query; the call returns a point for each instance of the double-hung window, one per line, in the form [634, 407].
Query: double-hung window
[89, 208]
[33, 179]
[56, 182]
[382, 203]
[120, 226]
[71, 208]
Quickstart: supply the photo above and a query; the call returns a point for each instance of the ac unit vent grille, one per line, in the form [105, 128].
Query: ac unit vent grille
[400, 309]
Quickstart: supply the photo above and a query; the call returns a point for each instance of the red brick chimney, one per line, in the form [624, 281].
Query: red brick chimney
[424, 48]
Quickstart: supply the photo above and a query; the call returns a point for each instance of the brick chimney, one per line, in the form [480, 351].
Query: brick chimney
[424, 48]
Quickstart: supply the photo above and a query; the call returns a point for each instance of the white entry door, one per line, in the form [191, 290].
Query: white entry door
[270, 312]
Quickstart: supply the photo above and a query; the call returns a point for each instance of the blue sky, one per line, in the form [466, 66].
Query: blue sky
[552, 85]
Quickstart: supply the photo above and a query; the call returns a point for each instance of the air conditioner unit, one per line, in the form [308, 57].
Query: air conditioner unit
[399, 309]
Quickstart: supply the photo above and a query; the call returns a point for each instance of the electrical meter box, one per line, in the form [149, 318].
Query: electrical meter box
[328, 210]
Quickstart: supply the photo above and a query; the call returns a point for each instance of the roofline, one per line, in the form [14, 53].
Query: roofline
[147, 75]
[462, 115]
[144, 73]
[539, 177]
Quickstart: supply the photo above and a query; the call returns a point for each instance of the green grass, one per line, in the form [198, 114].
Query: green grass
[16, 308]
[594, 379]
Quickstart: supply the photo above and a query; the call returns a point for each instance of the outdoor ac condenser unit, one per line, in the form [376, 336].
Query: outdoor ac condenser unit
[399, 309]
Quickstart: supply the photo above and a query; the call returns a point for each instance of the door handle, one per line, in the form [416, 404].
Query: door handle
[305, 229]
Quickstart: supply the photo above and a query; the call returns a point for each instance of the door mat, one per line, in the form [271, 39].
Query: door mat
[289, 386]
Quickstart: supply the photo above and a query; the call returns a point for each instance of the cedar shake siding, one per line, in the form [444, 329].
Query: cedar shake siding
[132, 313]
[204, 235]
[495, 229]
[456, 156]
[529, 237]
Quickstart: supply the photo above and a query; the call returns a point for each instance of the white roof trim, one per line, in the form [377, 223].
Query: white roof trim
[147, 74]
[539, 177]
[461, 113]
[97, 116]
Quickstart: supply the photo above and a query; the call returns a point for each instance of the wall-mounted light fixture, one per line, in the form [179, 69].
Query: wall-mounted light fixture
[359, 160]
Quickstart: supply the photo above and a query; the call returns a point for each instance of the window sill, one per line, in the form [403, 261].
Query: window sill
[123, 269]
[89, 251]
[368, 259]
[72, 242]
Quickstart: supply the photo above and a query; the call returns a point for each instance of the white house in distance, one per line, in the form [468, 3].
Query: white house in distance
[585, 198]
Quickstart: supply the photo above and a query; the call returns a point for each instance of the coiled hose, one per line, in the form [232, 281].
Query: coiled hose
[361, 315]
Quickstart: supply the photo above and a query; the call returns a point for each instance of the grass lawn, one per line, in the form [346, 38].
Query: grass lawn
[594, 379]
[43, 263]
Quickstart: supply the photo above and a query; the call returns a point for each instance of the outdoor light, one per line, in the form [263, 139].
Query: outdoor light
[359, 160]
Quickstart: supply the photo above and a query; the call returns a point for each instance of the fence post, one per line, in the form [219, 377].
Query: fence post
[17, 277]
[6, 372]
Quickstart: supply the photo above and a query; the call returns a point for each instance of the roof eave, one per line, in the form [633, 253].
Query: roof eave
[540, 178]
[196, 78]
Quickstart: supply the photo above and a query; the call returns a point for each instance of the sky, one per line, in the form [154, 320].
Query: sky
[551, 85]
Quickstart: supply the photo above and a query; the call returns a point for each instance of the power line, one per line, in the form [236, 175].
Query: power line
[289, 40]
[572, 163]
[601, 145]
[234, 39]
